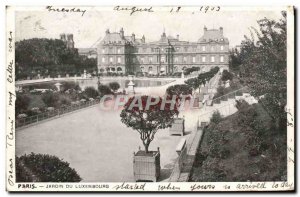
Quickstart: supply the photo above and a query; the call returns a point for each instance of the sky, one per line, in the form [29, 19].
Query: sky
[188, 23]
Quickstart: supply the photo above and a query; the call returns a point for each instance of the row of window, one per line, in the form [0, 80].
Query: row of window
[177, 49]
[120, 42]
[202, 48]
[203, 59]
[164, 59]
[113, 42]
[111, 59]
[175, 68]
[111, 50]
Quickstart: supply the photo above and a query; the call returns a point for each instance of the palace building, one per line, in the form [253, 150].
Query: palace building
[118, 53]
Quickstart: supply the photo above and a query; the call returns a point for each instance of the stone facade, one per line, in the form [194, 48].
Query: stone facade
[128, 54]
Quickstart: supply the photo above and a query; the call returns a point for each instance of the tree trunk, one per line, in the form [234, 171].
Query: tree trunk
[146, 148]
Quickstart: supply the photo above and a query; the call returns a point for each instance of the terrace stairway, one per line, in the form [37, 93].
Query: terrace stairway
[224, 104]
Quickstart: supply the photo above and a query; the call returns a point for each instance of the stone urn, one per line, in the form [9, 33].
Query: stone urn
[58, 85]
[146, 166]
[131, 85]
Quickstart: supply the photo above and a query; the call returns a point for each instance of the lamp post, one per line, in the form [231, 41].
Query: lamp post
[98, 77]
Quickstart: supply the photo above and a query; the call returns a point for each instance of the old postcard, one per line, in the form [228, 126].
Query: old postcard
[150, 99]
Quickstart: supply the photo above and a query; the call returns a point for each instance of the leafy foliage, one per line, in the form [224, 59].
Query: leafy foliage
[234, 85]
[70, 85]
[202, 78]
[179, 91]
[188, 71]
[114, 86]
[49, 57]
[216, 117]
[193, 83]
[147, 120]
[246, 137]
[91, 92]
[205, 77]
[44, 168]
[22, 103]
[51, 99]
[264, 66]
[226, 75]
[234, 60]
[104, 90]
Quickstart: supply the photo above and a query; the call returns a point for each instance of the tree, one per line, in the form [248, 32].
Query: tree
[91, 92]
[104, 90]
[216, 117]
[234, 60]
[44, 168]
[114, 86]
[202, 78]
[193, 83]
[264, 67]
[179, 90]
[49, 57]
[188, 71]
[69, 85]
[226, 75]
[22, 103]
[145, 120]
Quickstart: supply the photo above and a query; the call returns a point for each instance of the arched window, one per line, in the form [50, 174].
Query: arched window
[150, 68]
[113, 69]
[119, 69]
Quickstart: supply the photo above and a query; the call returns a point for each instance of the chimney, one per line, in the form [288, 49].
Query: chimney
[70, 41]
[205, 28]
[221, 30]
[122, 32]
[107, 31]
[143, 39]
[133, 36]
[177, 37]
[70, 37]
[63, 37]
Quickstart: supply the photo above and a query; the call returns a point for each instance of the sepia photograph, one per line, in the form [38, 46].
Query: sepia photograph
[150, 98]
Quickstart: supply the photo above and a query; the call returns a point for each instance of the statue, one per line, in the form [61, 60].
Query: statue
[131, 84]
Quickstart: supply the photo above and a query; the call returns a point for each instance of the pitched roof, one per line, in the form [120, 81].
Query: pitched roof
[213, 35]
[113, 37]
[135, 41]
